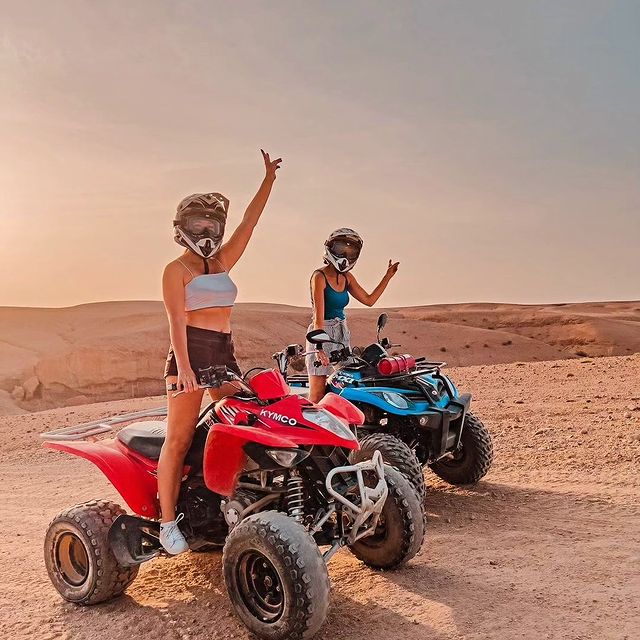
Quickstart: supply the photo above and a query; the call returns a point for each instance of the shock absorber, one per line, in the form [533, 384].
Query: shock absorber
[295, 496]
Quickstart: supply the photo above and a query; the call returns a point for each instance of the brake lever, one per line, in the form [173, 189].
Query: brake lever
[200, 386]
[212, 377]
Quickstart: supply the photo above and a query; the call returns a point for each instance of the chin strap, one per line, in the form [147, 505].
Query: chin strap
[206, 266]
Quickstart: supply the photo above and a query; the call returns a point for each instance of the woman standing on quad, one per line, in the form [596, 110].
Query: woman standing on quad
[330, 289]
[199, 296]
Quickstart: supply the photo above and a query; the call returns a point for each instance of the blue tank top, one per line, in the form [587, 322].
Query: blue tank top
[334, 301]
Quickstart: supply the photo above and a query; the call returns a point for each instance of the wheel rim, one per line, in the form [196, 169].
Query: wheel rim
[379, 537]
[455, 458]
[72, 560]
[381, 532]
[260, 587]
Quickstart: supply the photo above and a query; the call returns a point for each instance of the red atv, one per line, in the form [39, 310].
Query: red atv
[267, 476]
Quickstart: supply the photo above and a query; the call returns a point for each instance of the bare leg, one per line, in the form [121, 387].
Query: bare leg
[181, 424]
[317, 388]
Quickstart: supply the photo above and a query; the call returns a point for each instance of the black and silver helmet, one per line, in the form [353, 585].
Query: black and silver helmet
[342, 249]
[199, 223]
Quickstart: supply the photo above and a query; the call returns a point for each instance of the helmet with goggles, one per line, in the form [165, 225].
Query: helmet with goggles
[342, 249]
[199, 223]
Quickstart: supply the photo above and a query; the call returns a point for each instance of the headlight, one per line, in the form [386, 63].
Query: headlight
[328, 421]
[395, 399]
[287, 457]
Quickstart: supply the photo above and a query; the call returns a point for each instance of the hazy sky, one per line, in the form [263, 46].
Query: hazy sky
[492, 147]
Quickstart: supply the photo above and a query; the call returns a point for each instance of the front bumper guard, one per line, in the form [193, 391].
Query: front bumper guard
[447, 425]
[366, 514]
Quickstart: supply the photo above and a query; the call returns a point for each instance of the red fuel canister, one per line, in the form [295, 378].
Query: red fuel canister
[396, 364]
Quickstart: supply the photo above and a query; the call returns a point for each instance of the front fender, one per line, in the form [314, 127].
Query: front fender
[224, 456]
[133, 477]
[340, 407]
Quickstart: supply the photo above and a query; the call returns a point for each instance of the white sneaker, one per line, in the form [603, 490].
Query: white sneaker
[171, 537]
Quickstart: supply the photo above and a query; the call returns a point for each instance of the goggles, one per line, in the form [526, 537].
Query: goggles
[199, 224]
[345, 249]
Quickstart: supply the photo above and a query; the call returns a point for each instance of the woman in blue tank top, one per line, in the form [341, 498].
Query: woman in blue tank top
[330, 289]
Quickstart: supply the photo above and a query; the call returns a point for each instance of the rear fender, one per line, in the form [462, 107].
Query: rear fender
[224, 456]
[132, 476]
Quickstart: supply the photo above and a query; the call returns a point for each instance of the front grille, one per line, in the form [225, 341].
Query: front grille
[320, 462]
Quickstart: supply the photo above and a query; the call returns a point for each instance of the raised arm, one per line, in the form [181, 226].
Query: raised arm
[370, 299]
[233, 249]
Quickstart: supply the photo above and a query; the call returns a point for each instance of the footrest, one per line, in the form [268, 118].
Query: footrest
[134, 540]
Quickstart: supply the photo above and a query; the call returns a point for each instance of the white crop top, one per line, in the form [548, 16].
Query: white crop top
[209, 290]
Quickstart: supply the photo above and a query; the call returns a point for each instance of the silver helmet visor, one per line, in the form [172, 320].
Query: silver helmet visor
[345, 249]
[203, 225]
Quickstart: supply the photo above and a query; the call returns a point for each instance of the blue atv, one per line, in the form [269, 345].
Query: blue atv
[414, 414]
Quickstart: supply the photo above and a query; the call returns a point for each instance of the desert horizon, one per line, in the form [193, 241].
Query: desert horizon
[112, 350]
[545, 303]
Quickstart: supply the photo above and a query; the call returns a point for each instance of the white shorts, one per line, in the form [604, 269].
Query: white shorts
[336, 329]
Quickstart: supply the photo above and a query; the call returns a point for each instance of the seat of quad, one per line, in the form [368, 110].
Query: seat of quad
[145, 438]
[298, 379]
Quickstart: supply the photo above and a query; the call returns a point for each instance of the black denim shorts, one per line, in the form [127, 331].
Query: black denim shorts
[205, 348]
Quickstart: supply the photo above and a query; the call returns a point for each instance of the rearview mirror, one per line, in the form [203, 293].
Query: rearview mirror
[382, 321]
[294, 350]
[318, 336]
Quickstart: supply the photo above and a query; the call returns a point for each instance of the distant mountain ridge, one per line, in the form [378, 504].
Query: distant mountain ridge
[52, 357]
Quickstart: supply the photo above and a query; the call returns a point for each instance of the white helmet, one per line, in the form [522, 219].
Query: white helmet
[342, 249]
[199, 223]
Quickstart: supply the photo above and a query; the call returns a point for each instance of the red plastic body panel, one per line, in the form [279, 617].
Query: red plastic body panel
[279, 424]
[269, 385]
[342, 408]
[132, 475]
[396, 364]
[284, 419]
[224, 457]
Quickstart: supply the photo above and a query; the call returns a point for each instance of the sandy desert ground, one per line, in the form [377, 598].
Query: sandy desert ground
[105, 351]
[546, 547]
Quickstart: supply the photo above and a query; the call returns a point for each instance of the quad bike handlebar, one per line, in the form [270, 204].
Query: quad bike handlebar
[214, 377]
[345, 353]
[284, 357]
[342, 354]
